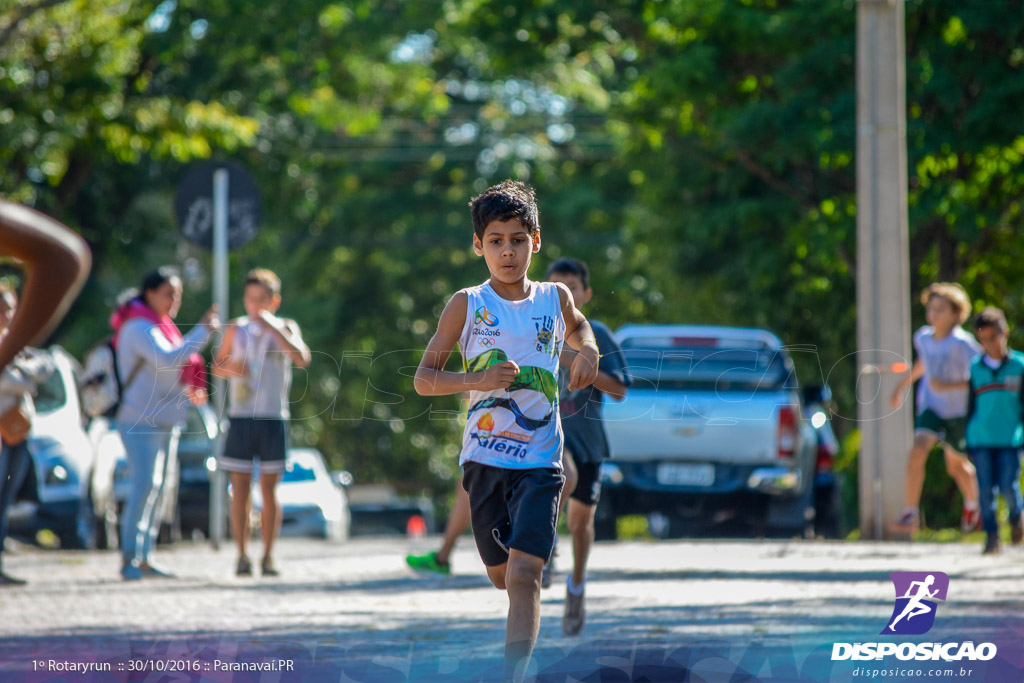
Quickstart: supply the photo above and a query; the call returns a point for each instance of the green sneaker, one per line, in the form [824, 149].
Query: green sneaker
[428, 563]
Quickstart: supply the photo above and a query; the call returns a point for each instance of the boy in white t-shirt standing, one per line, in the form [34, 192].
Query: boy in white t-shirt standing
[945, 351]
[256, 357]
[510, 331]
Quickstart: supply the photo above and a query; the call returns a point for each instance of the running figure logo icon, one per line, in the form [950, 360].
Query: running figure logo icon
[916, 596]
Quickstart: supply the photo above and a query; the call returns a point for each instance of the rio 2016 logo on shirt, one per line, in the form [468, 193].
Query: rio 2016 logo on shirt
[486, 317]
[916, 596]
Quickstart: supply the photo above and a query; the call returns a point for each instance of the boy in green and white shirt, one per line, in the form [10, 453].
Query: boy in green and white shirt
[995, 425]
[510, 331]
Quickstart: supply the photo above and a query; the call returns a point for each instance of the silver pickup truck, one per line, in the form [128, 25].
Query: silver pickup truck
[713, 429]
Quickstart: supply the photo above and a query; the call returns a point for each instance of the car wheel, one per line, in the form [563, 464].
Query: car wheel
[107, 530]
[827, 505]
[673, 526]
[794, 527]
[81, 532]
[102, 537]
[605, 522]
[170, 531]
[792, 518]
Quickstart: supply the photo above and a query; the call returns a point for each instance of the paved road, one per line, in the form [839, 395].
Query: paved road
[353, 612]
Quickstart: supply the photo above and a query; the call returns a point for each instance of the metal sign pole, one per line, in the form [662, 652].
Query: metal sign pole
[220, 297]
[228, 219]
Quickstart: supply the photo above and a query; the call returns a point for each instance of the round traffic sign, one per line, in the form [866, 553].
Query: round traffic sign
[193, 204]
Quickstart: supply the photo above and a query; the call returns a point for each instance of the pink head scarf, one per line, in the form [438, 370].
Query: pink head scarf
[193, 373]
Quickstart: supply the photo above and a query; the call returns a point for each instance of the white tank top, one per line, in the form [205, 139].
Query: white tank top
[518, 427]
[263, 392]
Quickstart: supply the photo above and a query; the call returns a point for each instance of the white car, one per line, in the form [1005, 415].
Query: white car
[63, 461]
[312, 504]
[186, 499]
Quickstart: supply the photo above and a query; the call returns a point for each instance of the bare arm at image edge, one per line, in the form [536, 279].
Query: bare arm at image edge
[56, 263]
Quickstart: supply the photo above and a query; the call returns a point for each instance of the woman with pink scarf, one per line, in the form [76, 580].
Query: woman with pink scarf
[161, 371]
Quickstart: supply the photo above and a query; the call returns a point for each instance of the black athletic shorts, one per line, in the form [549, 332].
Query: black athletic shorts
[250, 438]
[588, 485]
[512, 509]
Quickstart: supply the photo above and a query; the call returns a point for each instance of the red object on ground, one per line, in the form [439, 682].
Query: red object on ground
[416, 527]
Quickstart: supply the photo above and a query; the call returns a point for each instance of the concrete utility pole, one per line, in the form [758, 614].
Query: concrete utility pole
[883, 282]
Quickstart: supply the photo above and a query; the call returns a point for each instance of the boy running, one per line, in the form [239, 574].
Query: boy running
[944, 354]
[510, 332]
[586, 443]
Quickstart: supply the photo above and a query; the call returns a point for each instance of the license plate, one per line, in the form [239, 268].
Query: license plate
[673, 474]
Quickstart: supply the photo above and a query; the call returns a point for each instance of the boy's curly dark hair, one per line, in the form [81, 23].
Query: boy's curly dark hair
[507, 200]
[571, 266]
[991, 317]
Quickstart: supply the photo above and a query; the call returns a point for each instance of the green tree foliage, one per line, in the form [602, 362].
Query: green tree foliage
[699, 154]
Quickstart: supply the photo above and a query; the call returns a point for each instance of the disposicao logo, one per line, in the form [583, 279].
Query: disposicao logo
[917, 597]
[486, 317]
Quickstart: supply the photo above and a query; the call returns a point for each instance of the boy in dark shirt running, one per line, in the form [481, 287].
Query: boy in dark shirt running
[586, 443]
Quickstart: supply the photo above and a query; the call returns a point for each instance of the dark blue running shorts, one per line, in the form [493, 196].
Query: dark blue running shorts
[250, 438]
[512, 509]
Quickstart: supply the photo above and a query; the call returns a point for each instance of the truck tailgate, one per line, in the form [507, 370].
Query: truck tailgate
[695, 426]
